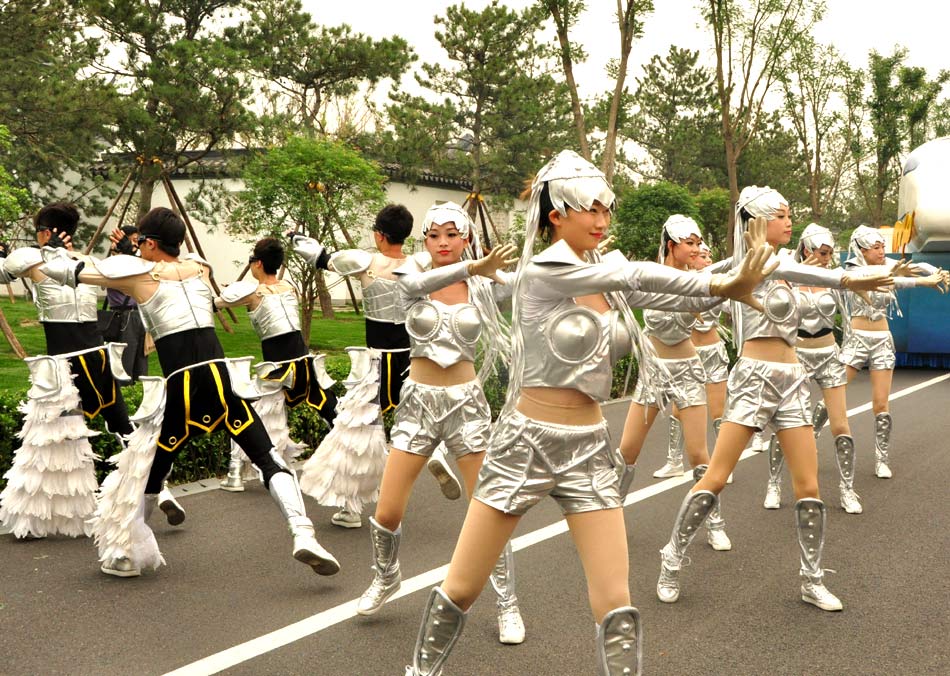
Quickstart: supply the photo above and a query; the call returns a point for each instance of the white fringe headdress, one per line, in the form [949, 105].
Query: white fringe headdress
[677, 228]
[496, 333]
[813, 237]
[754, 201]
[863, 237]
[573, 183]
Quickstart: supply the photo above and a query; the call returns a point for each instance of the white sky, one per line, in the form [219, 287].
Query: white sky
[853, 26]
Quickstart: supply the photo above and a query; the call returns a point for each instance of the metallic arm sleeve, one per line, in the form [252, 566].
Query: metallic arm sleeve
[311, 251]
[808, 275]
[419, 284]
[667, 301]
[570, 281]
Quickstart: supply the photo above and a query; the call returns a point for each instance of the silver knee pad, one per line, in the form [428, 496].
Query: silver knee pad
[620, 643]
[714, 521]
[810, 521]
[844, 455]
[691, 516]
[442, 624]
[776, 460]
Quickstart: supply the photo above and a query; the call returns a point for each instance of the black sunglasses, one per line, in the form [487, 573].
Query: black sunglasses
[141, 238]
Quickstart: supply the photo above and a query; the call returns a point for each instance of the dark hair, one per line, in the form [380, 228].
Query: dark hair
[165, 228]
[270, 253]
[744, 216]
[62, 216]
[665, 240]
[394, 221]
[545, 228]
[129, 229]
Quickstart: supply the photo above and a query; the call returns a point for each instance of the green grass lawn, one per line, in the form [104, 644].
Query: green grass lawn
[326, 335]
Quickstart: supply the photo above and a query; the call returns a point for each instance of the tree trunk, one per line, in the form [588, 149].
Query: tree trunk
[11, 337]
[567, 64]
[323, 294]
[146, 188]
[733, 172]
[625, 20]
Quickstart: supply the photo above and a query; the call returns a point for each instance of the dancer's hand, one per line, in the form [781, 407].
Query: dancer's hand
[861, 284]
[812, 260]
[904, 268]
[606, 244]
[756, 233]
[738, 285]
[493, 261]
[937, 280]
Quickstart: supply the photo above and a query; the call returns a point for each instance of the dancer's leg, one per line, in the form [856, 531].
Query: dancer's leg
[730, 443]
[601, 541]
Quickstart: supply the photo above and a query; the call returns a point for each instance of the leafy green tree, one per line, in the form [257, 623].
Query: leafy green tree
[304, 66]
[507, 112]
[751, 40]
[713, 206]
[811, 86]
[60, 118]
[183, 82]
[641, 213]
[630, 16]
[13, 202]
[676, 120]
[319, 188]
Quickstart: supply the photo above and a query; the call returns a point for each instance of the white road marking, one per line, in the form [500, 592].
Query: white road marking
[213, 664]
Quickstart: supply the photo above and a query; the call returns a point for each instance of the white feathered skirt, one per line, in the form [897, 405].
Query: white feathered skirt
[347, 467]
[51, 487]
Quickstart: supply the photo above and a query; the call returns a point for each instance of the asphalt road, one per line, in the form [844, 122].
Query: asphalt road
[231, 597]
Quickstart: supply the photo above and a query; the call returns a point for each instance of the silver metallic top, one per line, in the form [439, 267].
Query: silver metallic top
[277, 314]
[573, 346]
[708, 320]
[817, 309]
[57, 303]
[178, 306]
[381, 301]
[670, 328]
[446, 334]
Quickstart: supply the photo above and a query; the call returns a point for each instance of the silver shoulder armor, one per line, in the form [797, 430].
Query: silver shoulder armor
[348, 261]
[21, 260]
[60, 267]
[236, 291]
[117, 267]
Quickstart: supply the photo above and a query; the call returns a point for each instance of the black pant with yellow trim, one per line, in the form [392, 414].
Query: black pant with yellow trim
[99, 394]
[306, 389]
[393, 369]
[199, 400]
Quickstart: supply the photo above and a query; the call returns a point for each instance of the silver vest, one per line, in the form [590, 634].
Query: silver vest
[381, 302]
[57, 303]
[277, 314]
[178, 306]
[670, 328]
[708, 320]
[817, 310]
[446, 334]
[575, 347]
[880, 303]
[780, 318]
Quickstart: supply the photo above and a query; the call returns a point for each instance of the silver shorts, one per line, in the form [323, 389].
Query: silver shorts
[874, 349]
[764, 393]
[528, 459]
[685, 384]
[715, 361]
[823, 366]
[457, 415]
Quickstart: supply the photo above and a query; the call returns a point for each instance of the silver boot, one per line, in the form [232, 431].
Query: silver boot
[388, 577]
[715, 524]
[620, 643]
[810, 520]
[844, 455]
[882, 445]
[773, 491]
[626, 478]
[442, 624]
[439, 467]
[819, 417]
[674, 452]
[692, 514]
[510, 624]
[284, 489]
[234, 483]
